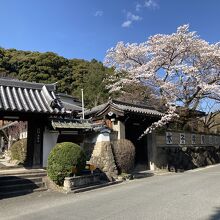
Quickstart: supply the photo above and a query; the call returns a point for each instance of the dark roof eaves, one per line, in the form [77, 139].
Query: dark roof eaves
[96, 109]
[116, 105]
[131, 104]
[71, 106]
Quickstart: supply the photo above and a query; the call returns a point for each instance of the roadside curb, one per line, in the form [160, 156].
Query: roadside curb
[201, 168]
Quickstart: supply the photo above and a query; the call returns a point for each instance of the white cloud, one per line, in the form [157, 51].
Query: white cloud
[130, 19]
[126, 23]
[138, 7]
[98, 13]
[150, 4]
[133, 17]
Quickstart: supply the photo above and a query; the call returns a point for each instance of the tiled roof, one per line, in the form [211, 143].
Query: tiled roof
[20, 96]
[71, 124]
[123, 107]
[76, 124]
[140, 109]
[71, 107]
[96, 109]
[70, 103]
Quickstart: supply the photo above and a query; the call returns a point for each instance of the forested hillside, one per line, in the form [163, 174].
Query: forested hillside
[71, 74]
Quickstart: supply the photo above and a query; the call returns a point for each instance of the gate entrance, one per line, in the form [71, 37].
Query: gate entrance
[134, 127]
[27, 133]
[29, 104]
[13, 142]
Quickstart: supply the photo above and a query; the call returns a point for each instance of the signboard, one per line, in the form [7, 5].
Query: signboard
[182, 138]
[186, 139]
[193, 139]
[169, 138]
[202, 139]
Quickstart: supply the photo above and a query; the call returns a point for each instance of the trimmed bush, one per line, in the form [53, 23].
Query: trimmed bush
[18, 151]
[62, 158]
[124, 153]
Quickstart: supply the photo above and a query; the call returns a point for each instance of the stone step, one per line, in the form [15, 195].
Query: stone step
[21, 181]
[21, 186]
[12, 180]
[22, 175]
[20, 171]
[20, 192]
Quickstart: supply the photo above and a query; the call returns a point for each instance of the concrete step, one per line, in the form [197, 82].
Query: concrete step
[21, 171]
[21, 181]
[20, 192]
[21, 186]
[12, 180]
[22, 175]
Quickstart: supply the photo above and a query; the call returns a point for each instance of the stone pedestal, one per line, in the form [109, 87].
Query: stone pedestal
[71, 183]
[103, 158]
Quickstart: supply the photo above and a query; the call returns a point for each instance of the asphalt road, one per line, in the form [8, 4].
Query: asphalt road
[190, 195]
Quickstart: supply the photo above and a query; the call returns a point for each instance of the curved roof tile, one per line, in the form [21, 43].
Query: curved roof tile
[20, 96]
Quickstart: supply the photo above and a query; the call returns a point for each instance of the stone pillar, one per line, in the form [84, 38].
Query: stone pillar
[103, 158]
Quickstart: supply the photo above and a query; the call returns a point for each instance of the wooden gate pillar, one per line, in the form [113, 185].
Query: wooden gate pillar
[35, 143]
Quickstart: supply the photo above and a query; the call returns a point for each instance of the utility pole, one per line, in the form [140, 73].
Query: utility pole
[83, 113]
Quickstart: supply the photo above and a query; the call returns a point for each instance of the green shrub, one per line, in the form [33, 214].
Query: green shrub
[124, 153]
[62, 158]
[18, 151]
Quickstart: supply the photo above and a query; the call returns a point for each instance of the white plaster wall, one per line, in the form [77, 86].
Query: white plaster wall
[103, 137]
[49, 141]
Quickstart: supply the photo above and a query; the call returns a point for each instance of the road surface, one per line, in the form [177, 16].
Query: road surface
[191, 195]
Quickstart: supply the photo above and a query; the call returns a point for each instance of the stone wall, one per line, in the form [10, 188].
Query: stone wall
[103, 158]
[71, 183]
[99, 152]
[89, 144]
[182, 151]
[172, 139]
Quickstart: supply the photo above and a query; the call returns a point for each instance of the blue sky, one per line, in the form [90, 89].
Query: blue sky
[87, 28]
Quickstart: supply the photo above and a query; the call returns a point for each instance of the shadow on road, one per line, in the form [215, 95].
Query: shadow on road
[216, 215]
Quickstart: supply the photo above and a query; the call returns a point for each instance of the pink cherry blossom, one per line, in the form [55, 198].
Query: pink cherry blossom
[183, 68]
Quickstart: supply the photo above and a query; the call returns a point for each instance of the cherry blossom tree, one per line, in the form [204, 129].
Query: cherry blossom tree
[181, 68]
